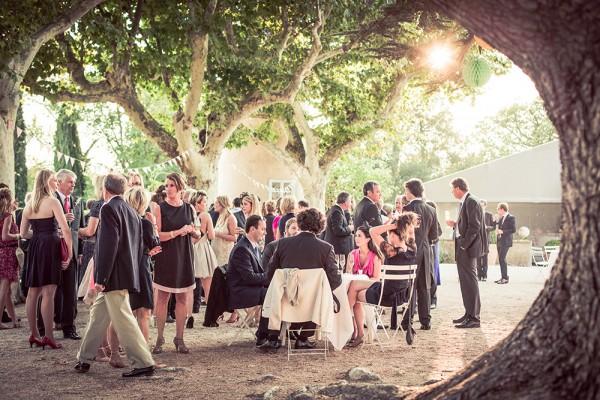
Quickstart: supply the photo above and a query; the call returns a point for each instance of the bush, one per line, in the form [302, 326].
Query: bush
[553, 242]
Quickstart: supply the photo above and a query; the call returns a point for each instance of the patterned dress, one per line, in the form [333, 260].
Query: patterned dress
[9, 267]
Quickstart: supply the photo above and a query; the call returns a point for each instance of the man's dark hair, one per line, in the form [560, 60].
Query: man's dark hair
[311, 220]
[237, 202]
[369, 187]
[460, 183]
[415, 186]
[342, 197]
[503, 206]
[303, 203]
[115, 184]
[252, 222]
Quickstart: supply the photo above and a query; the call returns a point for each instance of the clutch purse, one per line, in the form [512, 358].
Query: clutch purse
[64, 250]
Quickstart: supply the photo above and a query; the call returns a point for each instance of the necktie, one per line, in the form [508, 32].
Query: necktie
[67, 205]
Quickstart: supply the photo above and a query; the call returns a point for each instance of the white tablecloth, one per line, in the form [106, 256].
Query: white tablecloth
[343, 326]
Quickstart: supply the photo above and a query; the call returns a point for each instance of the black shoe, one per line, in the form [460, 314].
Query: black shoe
[148, 371]
[303, 345]
[260, 342]
[190, 323]
[5, 317]
[82, 367]
[426, 327]
[196, 310]
[484, 279]
[72, 335]
[469, 323]
[460, 320]
[170, 319]
[269, 346]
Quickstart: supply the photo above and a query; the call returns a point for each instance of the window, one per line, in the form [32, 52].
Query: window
[280, 188]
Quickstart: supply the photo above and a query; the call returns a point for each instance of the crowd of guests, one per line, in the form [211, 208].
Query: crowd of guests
[136, 256]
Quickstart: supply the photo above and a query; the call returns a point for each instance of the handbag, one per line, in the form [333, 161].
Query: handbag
[64, 250]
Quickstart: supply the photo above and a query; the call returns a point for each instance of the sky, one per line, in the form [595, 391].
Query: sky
[499, 92]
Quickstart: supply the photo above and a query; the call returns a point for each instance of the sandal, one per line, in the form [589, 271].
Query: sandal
[233, 318]
[355, 342]
[117, 362]
[180, 346]
[160, 341]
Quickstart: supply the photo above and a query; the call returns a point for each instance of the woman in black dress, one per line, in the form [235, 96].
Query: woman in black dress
[142, 302]
[44, 260]
[398, 250]
[174, 268]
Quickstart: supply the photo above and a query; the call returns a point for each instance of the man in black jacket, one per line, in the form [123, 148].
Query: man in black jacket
[427, 233]
[338, 232]
[490, 224]
[306, 251]
[367, 210]
[246, 279]
[116, 272]
[507, 225]
[469, 236]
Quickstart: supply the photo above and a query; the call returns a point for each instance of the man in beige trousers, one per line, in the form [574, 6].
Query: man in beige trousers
[116, 272]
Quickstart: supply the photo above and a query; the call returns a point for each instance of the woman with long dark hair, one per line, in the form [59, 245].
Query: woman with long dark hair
[366, 259]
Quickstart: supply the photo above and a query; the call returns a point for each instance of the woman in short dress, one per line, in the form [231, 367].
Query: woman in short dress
[397, 251]
[225, 231]
[43, 213]
[9, 267]
[174, 267]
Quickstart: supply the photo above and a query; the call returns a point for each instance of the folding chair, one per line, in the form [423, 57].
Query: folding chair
[319, 334]
[538, 257]
[393, 273]
[248, 319]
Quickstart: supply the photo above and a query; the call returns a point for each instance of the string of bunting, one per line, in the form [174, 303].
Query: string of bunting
[286, 190]
[172, 162]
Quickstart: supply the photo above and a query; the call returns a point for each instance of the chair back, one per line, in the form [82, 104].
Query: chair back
[538, 257]
[398, 272]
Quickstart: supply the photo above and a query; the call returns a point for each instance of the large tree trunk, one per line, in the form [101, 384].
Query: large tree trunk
[20, 146]
[314, 184]
[554, 352]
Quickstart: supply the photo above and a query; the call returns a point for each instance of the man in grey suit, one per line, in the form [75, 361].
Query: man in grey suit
[469, 236]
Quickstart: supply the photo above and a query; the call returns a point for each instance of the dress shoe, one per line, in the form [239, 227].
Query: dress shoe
[169, 319]
[269, 346]
[190, 323]
[426, 327]
[82, 367]
[460, 320]
[503, 281]
[303, 345]
[260, 342]
[148, 371]
[72, 335]
[468, 323]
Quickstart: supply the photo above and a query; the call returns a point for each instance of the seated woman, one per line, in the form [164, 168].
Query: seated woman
[398, 251]
[367, 258]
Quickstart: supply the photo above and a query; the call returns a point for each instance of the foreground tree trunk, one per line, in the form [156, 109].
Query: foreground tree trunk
[554, 352]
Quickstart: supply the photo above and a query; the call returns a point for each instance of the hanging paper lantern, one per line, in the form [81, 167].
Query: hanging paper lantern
[476, 71]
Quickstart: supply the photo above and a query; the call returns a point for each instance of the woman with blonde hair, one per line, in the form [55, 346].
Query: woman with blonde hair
[287, 208]
[44, 261]
[250, 206]
[142, 302]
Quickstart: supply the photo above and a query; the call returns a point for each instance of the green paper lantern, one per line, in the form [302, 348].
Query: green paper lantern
[476, 71]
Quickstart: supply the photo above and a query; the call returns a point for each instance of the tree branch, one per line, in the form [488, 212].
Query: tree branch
[311, 141]
[230, 37]
[285, 34]
[77, 71]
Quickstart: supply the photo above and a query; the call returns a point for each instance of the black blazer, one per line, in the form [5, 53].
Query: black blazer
[426, 234]
[337, 232]
[306, 251]
[270, 234]
[240, 219]
[367, 211]
[78, 222]
[246, 278]
[267, 254]
[508, 226]
[471, 227]
[118, 247]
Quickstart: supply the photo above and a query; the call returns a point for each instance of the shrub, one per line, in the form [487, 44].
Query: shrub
[553, 242]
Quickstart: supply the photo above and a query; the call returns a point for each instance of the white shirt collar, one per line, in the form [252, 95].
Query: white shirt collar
[416, 198]
[462, 199]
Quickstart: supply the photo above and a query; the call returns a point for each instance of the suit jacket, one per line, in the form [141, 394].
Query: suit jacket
[306, 251]
[508, 226]
[118, 247]
[240, 218]
[270, 234]
[78, 222]
[426, 234]
[337, 232]
[367, 211]
[246, 278]
[471, 227]
[267, 254]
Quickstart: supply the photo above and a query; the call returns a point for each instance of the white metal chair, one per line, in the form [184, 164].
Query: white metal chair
[393, 273]
[538, 257]
[248, 319]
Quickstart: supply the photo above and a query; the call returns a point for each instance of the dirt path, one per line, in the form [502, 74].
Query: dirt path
[214, 370]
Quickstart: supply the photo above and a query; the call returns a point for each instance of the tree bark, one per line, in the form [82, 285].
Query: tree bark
[10, 81]
[554, 352]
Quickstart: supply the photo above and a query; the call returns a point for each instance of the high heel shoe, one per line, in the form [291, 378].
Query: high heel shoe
[33, 340]
[158, 346]
[180, 346]
[190, 323]
[46, 341]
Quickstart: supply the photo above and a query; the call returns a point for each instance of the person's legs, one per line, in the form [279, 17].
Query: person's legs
[468, 284]
[69, 298]
[206, 282]
[31, 305]
[47, 308]
[160, 311]
[143, 318]
[502, 252]
[10, 306]
[197, 297]
[181, 309]
[114, 344]
[359, 315]
[96, 330]
[4, 288]
[485, 266]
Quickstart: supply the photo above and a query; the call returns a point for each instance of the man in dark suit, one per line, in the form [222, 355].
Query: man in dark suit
[65, 301]
[507, 226]
[338, 232]
[469, 236]
[305, 251]
[367, 210]
[490, 224]
[246, 279]
[426, 234]
[116, 273]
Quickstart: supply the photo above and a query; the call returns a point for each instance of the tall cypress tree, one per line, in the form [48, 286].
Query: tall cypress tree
[66, 142]
[19, 147]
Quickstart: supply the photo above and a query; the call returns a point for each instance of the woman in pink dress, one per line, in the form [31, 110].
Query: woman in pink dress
[366, 259]
[9, 267]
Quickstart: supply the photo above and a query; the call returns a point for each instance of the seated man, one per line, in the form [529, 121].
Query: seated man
[305, 251]
[246, 280]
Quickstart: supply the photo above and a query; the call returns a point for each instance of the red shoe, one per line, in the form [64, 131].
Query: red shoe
[33, 340]
[46, 341]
